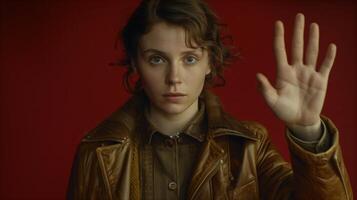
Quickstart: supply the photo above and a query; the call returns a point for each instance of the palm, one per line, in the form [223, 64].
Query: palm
[300, 89]
[300, 95]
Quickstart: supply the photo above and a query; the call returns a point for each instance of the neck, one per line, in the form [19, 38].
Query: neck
[171, 124]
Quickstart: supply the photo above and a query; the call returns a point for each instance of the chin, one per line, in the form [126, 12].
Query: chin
[172, 109]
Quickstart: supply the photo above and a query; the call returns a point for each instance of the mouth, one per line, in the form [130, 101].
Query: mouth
[174, 97]
[174, 94]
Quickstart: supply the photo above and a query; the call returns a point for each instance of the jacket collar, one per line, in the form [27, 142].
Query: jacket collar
[121, 123]
[220, 123]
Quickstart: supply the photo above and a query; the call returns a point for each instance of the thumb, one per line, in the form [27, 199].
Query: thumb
[268, 91]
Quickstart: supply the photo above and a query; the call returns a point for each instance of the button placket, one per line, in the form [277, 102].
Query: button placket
[172, 140]
[180, 140]
[169, 142]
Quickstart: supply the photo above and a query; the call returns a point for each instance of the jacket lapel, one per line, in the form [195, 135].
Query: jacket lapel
[118, 157]
[114, 161]
[219, 124]
[206, 167]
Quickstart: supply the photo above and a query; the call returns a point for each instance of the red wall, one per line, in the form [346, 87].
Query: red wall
[55, 82]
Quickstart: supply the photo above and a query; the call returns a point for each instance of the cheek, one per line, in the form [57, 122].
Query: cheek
[196, 79]
[150, 80]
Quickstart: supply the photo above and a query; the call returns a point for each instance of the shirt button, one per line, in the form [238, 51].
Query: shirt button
[169, 142]
[172, 186]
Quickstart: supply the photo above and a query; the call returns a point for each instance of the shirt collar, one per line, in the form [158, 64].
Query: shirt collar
[195, 128]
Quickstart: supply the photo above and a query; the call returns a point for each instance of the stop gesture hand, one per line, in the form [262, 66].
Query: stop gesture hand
[298, 95]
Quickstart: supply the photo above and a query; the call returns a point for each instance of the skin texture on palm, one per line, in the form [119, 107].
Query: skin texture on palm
[299, 92]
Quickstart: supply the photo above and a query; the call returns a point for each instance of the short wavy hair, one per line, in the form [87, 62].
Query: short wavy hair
[202, 28]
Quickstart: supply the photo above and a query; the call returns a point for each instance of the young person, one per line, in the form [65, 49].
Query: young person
[172, 140]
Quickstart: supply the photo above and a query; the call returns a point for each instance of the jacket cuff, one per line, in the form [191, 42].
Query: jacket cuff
[316, 146]
[298, 150]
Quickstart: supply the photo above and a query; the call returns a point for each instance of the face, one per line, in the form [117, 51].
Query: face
[172, 74]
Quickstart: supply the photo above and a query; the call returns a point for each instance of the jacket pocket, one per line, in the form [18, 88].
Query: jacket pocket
[248, 191]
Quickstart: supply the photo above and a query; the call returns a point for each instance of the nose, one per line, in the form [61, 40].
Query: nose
[173, 74]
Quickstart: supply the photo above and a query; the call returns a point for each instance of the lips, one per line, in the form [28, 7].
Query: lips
[174, 97]
[174, 94]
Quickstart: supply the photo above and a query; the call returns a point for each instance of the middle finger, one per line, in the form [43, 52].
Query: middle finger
[298, 40]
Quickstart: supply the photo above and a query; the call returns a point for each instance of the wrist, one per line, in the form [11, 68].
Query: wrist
[307, 132]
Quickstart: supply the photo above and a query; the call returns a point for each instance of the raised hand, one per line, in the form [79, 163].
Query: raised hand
[300, 89]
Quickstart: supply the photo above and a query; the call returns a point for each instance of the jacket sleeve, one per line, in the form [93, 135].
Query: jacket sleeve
[310, 176]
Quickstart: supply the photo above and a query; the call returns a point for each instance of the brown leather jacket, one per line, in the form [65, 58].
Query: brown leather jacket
[237, 161]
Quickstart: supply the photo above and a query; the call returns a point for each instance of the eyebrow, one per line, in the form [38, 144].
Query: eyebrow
[195, 51]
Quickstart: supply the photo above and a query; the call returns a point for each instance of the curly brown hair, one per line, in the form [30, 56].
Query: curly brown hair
[200, 23]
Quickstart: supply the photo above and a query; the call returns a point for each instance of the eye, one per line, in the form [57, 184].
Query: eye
[156, 60]
[190, 60]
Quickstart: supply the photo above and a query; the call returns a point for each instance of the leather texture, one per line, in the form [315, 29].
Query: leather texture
[237, 161]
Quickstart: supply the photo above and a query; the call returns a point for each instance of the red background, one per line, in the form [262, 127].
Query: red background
[56, 84]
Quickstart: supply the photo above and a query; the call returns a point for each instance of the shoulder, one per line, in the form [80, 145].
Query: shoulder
[255, 127]
[106, 133]
[117, 127]
[246, 127]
